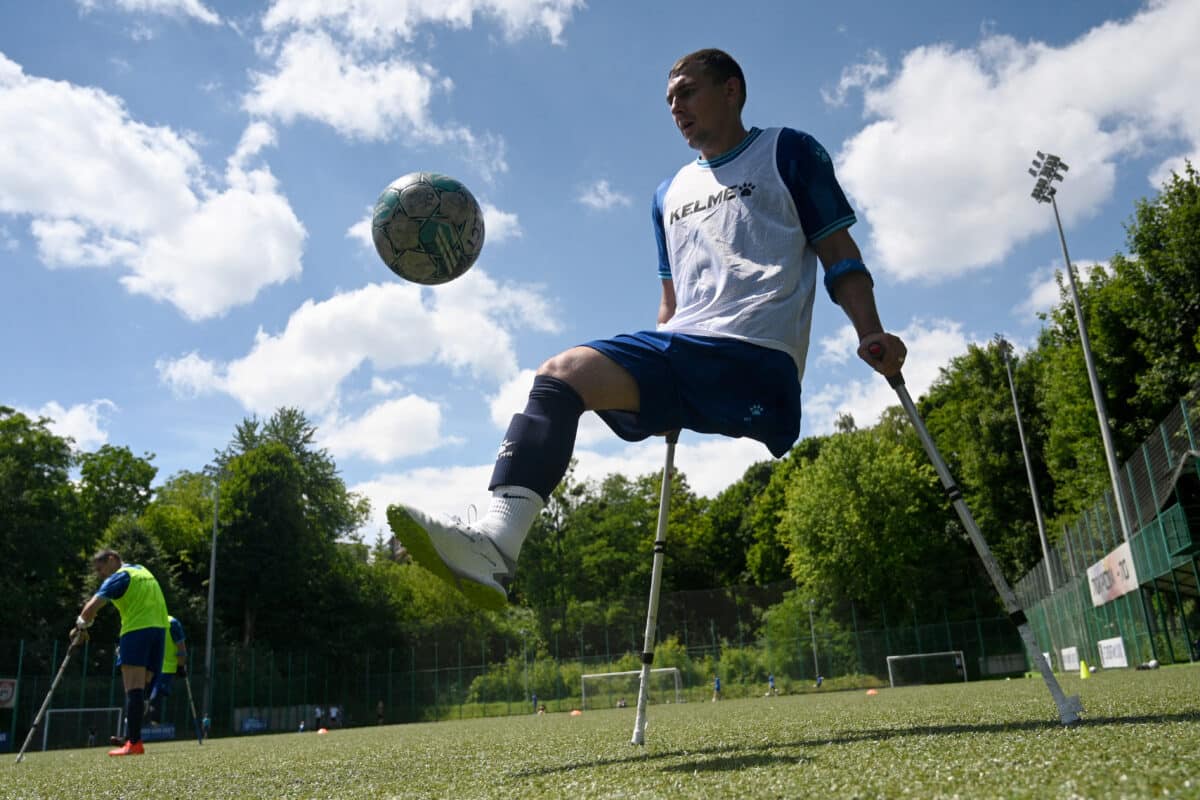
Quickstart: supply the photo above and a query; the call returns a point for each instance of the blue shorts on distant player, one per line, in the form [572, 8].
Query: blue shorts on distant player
[142, 648]
[163, 684]
[707, 384]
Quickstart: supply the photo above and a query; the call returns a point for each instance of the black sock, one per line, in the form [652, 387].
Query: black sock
[537, 447]
[135, 701]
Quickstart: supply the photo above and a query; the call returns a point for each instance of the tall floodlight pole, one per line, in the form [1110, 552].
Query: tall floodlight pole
[1005, 353]
[1046, 169]
[212, 586]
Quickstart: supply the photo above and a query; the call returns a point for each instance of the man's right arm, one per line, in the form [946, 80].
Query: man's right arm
[666, 306]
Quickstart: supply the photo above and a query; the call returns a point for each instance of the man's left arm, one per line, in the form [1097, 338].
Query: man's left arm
[852, 288]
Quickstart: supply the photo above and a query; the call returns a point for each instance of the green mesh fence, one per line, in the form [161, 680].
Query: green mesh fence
[1161, 619]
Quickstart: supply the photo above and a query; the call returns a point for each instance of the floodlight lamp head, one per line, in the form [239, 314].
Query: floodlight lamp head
[1033, 171]
[1040, 154]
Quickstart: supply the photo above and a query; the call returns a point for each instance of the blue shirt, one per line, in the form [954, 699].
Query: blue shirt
[114, 585]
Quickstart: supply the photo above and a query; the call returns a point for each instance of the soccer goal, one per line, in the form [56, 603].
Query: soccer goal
[914, 669]
[80, 727]
[618, 689]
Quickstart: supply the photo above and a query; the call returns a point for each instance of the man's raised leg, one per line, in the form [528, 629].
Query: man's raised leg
[479, 558]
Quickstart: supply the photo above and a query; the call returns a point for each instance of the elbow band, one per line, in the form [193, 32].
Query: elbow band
[844, 267]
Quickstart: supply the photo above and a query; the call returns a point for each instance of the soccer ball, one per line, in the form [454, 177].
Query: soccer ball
[428, 228]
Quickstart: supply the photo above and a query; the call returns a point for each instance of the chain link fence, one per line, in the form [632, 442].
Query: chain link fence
[1161, 619]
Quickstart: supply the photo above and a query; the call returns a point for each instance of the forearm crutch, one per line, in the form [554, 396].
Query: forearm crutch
[192, 703]
[1069, 708]
[46, 703]
[660, 543]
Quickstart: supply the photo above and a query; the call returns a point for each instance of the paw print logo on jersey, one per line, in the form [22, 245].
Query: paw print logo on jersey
[746, 189]
[755, 411]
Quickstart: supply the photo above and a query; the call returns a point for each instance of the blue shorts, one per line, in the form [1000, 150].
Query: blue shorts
[142, 648]
[706, 384]
[163, 684]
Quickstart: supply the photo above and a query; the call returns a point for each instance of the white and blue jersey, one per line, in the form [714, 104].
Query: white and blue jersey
[734, 235]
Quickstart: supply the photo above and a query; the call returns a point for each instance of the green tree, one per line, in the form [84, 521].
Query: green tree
[330, 509]
[866, 522]
[731, 515]
[41, 536]
[269, 556]
[113, 481]
[969, 413]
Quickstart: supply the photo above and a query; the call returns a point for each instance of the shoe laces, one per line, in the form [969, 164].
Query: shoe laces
[468, 524]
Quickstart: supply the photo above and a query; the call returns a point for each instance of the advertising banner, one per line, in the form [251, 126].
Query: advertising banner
[1112, 653]
[1112, 576]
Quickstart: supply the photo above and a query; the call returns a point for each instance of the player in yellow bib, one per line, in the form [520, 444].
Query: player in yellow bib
[139, 600]
[174, 663]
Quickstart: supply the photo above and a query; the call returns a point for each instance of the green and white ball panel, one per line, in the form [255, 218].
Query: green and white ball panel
[428, 228]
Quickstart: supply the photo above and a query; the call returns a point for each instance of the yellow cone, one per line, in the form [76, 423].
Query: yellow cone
[1084, 673]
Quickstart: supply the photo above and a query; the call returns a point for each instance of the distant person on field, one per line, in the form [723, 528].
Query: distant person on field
[318, 713]
[741, 235]
[139, 601]
[174, 663]
[333, 716]
[771, 684]
[716, 688]
[379, 713]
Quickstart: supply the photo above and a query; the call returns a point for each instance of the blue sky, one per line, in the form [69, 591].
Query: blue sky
[184, 185]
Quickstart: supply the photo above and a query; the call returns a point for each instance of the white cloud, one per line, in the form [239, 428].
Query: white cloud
[382, 22]
[930, 347]
[397, 428]
[1043, 286]
[317, 78]
[939, 172]
[7, 241]
[82, 422]
[139, 199]
[464, 325]
[499, 226]
[361, 232]
[857, 76]
[314, 78]
[602, 197]
[171, 8]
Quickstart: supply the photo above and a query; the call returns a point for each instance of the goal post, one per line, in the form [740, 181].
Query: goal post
[914, 669]
[74, 727]
[624, 685]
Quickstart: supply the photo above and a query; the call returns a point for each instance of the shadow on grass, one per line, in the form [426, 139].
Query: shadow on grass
[728, 763]
[734, 756]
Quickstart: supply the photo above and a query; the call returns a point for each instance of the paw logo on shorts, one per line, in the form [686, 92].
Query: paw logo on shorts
[745, 190]
[755, 411]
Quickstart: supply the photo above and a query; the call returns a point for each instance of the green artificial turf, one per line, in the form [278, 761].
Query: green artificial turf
[1141, 739]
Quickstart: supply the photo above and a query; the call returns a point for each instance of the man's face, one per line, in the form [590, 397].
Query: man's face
[105, 566]
[701, 108]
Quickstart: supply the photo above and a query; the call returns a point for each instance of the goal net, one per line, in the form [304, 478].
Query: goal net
[618, 689]
[914, 669]
[80, 727]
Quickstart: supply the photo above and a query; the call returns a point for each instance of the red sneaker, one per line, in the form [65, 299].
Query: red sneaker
[129, 749]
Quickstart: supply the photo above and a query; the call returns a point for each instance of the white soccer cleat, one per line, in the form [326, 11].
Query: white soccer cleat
[455, 552]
